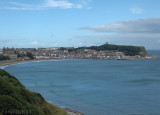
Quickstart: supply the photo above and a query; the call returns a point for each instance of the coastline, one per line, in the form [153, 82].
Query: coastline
[72, 112]
[12, 62]
[69, 111]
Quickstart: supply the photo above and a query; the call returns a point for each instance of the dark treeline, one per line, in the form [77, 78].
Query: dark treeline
[4, 58]
[30, 55]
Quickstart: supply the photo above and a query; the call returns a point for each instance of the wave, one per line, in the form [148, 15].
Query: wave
[2, 67]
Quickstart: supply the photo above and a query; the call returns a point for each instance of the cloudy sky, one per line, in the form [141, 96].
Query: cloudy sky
[54, 23]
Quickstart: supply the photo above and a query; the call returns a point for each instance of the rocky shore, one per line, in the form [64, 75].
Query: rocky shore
[72, 112]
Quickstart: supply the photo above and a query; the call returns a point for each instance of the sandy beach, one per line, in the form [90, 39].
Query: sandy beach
[11, 62]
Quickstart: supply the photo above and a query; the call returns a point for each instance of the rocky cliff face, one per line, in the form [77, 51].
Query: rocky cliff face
[143, 51]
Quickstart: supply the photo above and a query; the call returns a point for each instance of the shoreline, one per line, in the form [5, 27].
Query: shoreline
[72, 112]
[12, 62]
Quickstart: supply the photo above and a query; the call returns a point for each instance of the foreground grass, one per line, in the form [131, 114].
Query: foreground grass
[16, 99]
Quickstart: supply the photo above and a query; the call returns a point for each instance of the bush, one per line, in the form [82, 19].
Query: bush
[10, 78]
[10, 105]
[6, 88]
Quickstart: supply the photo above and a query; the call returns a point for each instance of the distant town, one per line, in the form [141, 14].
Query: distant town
[20, 54]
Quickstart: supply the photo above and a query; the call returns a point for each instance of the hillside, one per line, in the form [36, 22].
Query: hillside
[16, 99]
[127, 50]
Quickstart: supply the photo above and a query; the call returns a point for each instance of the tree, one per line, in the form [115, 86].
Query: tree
[2, 58]
[30, 55]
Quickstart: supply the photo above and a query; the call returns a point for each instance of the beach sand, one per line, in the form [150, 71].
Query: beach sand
[11, 62]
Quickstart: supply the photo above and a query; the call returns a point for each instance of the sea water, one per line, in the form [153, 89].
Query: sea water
[95, 87]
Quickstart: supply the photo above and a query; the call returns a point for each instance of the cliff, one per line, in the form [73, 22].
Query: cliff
[16, 99]
[127, 50]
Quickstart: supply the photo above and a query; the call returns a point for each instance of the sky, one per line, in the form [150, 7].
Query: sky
[76, 23]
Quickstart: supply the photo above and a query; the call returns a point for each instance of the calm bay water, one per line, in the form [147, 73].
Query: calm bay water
[95, 87]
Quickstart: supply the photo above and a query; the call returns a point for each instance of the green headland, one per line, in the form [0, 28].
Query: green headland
[127, 50]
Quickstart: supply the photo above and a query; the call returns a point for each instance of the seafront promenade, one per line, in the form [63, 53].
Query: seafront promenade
[10, 62]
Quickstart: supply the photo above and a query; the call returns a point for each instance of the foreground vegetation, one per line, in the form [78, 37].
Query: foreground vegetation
[16, 99]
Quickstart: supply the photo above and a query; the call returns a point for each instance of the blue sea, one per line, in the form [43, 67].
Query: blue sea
[96, 87]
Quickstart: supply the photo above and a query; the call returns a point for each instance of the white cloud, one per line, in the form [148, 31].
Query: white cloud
[79, 6]
[86, 3]
[34, 43]
[143, 32]
[20, 4]
[150, 41]
[21, 44]
[54, 3]
[150, 25]
[17, 8]
[136, 10]
[4, 42]
[46, 4]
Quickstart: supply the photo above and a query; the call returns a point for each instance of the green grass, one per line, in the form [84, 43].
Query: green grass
[15, 99]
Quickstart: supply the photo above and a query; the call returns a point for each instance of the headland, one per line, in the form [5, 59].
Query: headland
[106, 51]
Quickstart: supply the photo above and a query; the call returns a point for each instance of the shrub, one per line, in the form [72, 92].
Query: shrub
[10, 105]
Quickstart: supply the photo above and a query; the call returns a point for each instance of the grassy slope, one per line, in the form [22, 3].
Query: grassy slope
[14, 96]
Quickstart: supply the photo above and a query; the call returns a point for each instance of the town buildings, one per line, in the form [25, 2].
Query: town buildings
[10, 52]
[63, 53]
